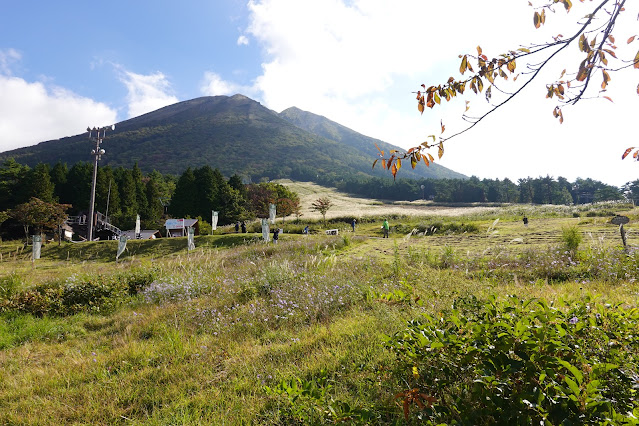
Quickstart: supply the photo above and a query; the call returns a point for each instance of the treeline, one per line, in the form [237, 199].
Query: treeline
[124, 193]
[542, 190]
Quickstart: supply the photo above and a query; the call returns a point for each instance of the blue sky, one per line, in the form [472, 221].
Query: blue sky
[67, 65]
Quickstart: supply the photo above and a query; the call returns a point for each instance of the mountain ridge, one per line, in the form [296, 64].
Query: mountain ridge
[235, 134]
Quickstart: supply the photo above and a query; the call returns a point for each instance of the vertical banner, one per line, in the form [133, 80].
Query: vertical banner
[191, 239]
[37, 245]
[214, 216]
[265, 230]
[271, 213]
[121, 246]
[137, 227]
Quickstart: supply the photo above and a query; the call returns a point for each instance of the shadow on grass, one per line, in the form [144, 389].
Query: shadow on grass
[104, 251]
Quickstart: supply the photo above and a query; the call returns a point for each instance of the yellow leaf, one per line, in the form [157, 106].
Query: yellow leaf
[464, 65]
[431, 157]
[420, 107]
[399, 163]
[637, 61]
[441, 150]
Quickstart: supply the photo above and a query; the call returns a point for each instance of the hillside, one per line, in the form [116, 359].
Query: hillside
[322, 126]
[234, 134]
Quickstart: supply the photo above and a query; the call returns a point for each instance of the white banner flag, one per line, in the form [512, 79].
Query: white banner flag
[191, 239]
[271, 213]
[265, 230]
[214, 216]
[37, 245]
[121, 246]
[137, 226]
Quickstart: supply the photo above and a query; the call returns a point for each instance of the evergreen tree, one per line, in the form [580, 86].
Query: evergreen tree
[128, 198]
[78, 186]
[59, 174]
[184, 200]
[206, 183]
[39, 183]
[107, 194]
[12, 182]
[155, 208]
[140, 191]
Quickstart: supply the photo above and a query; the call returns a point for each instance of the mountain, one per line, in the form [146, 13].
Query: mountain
[234, 134]
[322, 126]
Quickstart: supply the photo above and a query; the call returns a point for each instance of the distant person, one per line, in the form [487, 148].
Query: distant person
[353, 224]
[276, 235]
[385, 227]
[243, 225]
[237, 227]
[305, 231]
[525, 221]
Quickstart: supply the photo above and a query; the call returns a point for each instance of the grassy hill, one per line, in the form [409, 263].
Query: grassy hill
[234, 134]
[327, 329]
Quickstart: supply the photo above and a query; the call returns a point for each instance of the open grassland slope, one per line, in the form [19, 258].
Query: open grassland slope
[428, 325]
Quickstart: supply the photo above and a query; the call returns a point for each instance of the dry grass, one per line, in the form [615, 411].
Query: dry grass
[350, 205]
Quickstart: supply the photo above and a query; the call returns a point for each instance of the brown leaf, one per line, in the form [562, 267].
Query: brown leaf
[441, 123]
[631, 39]
[441, 150]
[626, 152]
[374, 162]
[637, 61]
[608, 97]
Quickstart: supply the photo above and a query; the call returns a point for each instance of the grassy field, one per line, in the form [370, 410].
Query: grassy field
[243, 332]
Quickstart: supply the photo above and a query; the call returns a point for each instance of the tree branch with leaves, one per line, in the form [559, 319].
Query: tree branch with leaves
[599, 57]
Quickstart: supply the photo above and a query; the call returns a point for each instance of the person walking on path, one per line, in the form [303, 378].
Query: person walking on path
[276, 234]
[243, 227]
[353, 224]
[237, 227]
[385, 227]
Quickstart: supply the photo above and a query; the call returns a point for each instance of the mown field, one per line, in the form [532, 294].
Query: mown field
[459, 318]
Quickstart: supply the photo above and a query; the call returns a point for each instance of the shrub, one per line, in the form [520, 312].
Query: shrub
[571, 238]
[9, 284]
[520, 362]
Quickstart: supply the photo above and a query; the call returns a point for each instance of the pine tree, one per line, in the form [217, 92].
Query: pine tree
[184, 200]
[39, 183]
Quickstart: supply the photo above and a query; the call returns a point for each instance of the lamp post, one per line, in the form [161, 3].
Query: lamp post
[97, 154]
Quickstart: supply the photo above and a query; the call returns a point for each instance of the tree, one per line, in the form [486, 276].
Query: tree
[184, 200]
[322, 205]
[39, 214]
[599, 60]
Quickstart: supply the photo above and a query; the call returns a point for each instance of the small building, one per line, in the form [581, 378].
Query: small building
[179, 227]
[145, 234]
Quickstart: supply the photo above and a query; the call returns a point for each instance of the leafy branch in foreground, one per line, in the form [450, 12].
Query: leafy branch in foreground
[599, 57]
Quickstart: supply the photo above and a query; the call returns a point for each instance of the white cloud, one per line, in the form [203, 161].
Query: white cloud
[34, 112]
[146, 93]
[214, 85]
[242, 40]
[357, 62]
[8, 57]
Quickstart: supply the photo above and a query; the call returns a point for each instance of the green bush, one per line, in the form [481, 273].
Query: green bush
[520, 362]
[9, 284]
[571, 238]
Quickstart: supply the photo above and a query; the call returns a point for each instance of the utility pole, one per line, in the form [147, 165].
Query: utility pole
[97, 154]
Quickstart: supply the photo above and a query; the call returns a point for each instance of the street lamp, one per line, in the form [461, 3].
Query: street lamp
[97, 154]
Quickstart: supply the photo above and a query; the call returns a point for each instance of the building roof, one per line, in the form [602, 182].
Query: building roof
[146, 234]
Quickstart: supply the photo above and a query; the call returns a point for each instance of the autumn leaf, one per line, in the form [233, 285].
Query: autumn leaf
[441, 150]
[626, 152]
[637, 61]
[464, 65]
[537, 20]
[631, 39]
[441, 123]
[608, 97]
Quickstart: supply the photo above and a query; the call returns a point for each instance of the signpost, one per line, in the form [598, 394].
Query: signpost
[214, 217]
[621, 221]
[271, 213]
[265, 230]
[37, 246]
[190, 238]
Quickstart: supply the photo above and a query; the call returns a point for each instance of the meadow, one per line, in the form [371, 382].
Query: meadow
[461, 317]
